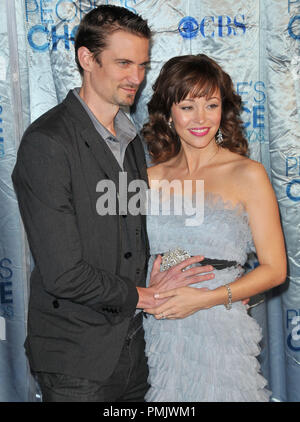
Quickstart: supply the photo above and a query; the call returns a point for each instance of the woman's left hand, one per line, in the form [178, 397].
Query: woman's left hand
[183, 301]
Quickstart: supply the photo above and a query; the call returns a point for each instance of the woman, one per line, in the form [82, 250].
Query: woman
[195, 133]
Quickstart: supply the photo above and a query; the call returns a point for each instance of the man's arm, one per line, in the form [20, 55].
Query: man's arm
[42, 181]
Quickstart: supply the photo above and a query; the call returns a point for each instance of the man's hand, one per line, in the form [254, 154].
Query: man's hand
[175, 277]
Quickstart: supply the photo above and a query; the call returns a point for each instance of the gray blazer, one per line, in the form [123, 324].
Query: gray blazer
[80, 306]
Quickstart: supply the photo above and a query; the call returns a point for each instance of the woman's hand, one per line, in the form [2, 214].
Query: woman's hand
[182, 302]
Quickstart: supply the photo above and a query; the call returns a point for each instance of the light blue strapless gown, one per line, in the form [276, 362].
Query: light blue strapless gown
[210, 355]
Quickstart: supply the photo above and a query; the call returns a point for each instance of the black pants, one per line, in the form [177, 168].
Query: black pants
[128, 383]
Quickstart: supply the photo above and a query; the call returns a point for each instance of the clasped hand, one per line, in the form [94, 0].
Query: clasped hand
[170, 288]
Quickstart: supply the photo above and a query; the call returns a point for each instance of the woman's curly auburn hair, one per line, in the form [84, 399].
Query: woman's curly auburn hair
[197, 76]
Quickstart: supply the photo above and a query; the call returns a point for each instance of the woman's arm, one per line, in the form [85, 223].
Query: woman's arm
[259, 199]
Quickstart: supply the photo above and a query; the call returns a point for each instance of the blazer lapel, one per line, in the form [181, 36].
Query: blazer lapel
[92, 139]
[102, 153]
[99, 149]
[140, 159]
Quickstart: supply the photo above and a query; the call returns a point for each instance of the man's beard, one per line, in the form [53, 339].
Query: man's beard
[129, 98]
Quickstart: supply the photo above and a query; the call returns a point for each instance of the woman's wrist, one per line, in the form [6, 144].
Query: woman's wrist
[218, 296]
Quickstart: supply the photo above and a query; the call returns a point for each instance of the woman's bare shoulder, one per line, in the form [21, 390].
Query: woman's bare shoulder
[244, 176]
[253, 182]
[241, 166]
[251, 171]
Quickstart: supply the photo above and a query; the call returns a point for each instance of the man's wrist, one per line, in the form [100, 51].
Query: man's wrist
[146, 297]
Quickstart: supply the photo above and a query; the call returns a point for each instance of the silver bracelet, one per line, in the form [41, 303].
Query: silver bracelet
[228, 305]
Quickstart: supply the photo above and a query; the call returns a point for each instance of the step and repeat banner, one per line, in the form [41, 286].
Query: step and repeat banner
[257, 43]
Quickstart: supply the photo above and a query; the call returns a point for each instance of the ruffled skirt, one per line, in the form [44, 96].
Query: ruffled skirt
[209, 356]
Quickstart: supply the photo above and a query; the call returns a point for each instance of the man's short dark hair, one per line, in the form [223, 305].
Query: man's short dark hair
[97, 25]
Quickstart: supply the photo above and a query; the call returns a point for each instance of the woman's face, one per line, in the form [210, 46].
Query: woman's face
[197, 120]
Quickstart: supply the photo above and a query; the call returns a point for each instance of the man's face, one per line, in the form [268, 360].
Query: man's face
[123, 63]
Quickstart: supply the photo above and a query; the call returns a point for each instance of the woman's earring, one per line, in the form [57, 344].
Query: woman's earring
[170, 124]
[219, 139]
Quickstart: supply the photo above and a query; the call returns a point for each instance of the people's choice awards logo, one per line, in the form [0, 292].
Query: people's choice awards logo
[51, 22]
[293, 325]
[296, 329]
[295, 67]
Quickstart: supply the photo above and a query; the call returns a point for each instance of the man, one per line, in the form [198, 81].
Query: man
[85, 338]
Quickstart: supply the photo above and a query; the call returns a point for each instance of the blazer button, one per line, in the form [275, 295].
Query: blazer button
[55, 304]
[128, 255]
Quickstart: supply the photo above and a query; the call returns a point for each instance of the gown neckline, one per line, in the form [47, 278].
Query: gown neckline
[212, 200]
